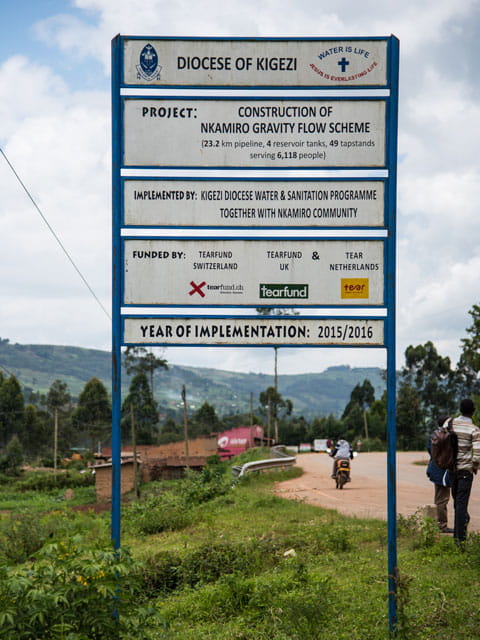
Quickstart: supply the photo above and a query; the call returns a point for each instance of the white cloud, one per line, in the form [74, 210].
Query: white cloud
[438, 126]
[58, 138]
[417, 25]
[26, 89]
[57, 141]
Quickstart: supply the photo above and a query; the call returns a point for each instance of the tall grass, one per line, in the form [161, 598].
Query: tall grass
[215, 561]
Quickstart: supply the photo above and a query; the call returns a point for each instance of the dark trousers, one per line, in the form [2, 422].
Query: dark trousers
[461, 487]
[442, 494]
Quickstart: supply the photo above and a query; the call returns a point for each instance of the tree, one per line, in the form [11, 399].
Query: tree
[410, 418]
[11, 409]
[294, 432]
[140, 404]
[94, 411]
[468, 367]
[12, 460]
[377, 418]
[205, 421]
[269, 311]
[234, 420]
[170, 432]
[140, 360]
[36, 431]
[432, 378]
[325, 427]
[272, 403]
[353, 422]
[58, 399]
[355, 416]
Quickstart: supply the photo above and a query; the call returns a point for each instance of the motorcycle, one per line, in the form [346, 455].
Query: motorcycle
[342, 473]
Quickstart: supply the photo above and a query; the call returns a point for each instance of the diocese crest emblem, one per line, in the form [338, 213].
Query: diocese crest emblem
[148, 68]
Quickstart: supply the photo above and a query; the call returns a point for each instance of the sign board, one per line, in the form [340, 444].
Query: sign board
[291, 331]
[320, 444]
[261, 62]
[254, 272]
[254, 203]
[254, 133]
[199, 125]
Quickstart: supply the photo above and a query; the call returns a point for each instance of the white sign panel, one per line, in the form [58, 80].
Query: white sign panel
[157, 62]
[183, 203]
[253, 272]
[254, 133]
[252, 331]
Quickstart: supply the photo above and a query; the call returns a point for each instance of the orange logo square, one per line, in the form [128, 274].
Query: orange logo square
[354, 288]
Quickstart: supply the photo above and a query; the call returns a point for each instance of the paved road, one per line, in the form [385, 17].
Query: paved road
[366, 495]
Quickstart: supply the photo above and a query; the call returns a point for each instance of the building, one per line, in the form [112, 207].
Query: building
[235, 441]
[155, 462]
[103, 479]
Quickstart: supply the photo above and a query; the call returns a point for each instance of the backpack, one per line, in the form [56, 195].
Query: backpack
[445, 446]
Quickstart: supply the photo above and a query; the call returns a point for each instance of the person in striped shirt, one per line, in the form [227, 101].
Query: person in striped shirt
[468, 461]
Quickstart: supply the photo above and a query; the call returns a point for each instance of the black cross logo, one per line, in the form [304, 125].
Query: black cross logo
[343, 63]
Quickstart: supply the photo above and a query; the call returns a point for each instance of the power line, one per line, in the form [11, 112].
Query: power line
[70, 259]
[6, 370]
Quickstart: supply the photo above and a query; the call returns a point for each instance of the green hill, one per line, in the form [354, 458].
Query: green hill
[37, 366]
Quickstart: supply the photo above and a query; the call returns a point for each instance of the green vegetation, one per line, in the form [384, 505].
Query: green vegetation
[206, 559]
[55, 423]
[38, 366]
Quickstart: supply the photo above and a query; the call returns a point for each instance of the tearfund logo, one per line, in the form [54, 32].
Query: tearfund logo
[278, 291]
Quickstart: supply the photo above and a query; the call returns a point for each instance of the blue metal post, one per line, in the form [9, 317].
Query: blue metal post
[116, 291]
[392, 118]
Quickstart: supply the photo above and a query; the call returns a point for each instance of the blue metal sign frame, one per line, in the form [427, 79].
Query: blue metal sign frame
[388, 92]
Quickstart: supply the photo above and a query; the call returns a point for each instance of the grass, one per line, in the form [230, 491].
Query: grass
[39, 502]
[305, 573]
[248, 565]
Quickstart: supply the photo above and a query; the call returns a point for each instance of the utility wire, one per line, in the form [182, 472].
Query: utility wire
[55, 235]
[6, 370]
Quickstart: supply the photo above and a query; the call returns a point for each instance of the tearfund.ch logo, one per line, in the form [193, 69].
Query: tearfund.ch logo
[284, 291]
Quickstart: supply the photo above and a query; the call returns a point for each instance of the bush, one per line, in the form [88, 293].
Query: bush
[167, 571]
[4, 479]
[49, 481]
[288, 602]
[161, 573]
[20, 537]
[23, 535]
[374, 444]
[74, 592]
[11, 461]
[172, 510]
[165, 512]
[210, 483]
[76, 465]
[209, 562]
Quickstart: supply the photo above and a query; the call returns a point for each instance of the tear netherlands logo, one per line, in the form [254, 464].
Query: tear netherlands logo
[354, 288]
[148, 67]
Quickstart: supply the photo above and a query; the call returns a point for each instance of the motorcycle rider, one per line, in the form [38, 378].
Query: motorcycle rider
[342, 450]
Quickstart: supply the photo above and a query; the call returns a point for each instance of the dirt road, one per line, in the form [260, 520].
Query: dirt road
[366, 495]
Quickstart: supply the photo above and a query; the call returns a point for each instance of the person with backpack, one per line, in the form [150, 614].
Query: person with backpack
[441, 480]
[468, 461]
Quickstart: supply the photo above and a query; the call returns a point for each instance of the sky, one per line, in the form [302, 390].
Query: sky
[55, 131]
